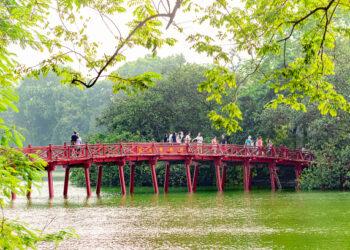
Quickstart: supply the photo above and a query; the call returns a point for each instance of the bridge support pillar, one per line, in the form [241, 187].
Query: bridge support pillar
[154, 176]
[66, 181]
[132, 177]
[29, 192]
[87, 178]
[195, 176]
[121, 177]
[49, 170]
[297, 169]
[247, 174]
[223, 178]
[166, 180]
[218, 176]
[272, 169]
[99, 178]
[188, 175]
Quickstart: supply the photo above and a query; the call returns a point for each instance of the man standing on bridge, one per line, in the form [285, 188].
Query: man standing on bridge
[74, 138]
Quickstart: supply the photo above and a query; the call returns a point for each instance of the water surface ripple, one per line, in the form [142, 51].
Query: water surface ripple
[203, 220]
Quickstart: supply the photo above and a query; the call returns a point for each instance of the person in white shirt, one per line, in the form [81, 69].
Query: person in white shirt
[78, 143]
[199, 140]
[79, 140]
[188, 137]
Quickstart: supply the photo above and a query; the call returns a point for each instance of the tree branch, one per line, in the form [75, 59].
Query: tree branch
[172, 15]
[93, 81]
[296, 22]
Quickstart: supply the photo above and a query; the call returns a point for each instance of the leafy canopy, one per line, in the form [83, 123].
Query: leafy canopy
[254, 30]
[261, 29]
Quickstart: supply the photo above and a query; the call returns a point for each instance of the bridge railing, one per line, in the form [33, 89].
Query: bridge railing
[68, 152]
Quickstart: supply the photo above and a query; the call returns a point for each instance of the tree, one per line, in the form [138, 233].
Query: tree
[260, 29]
[173, 104]
[50, 111]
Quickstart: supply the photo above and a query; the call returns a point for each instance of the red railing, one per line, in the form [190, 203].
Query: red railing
[88, 151]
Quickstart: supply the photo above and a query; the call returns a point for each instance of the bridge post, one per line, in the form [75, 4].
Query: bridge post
[66, 181]
[99, 178]
[247, 175]
[272, 167]
[223, 178]
[65, 150]
[132, 177]
[121, 177]
[188, 175]
[166, 180]
[297, 169]
[250, 177]
[154, 175]
[218, 177]
[86, 149]
[29, 192]
[87, 165]
[195, 176]
[49, 170]
[49, 153]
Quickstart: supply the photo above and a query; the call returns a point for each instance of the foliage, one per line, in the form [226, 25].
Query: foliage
[263, 29]
[16, 234]
[151, 63]
[18, 172]
[331, 171]
[50, 112]
[174, 104]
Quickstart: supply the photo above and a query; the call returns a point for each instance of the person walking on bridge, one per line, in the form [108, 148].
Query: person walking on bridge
[248, 144]
[259, 144]
[78, 143]
[188, 137]
[182, 137]
[199, 140]
[223, 142]
[173, 139]
[269, 148]
[74, 138]
[214, 142]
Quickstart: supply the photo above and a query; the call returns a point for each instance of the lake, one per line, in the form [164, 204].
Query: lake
[179, 220]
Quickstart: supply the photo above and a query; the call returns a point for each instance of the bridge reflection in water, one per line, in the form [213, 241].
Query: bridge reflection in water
[219, 155]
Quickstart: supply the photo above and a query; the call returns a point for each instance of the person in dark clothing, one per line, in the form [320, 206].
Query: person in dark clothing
[165, 139]
[174, 138]
[74, 138]
[223, 139]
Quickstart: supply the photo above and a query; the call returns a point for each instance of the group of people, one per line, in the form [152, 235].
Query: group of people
[254, 147]
[76, 139]
[249, 143]
[174, 137]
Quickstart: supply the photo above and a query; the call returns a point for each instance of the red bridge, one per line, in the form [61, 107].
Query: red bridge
[219, 155]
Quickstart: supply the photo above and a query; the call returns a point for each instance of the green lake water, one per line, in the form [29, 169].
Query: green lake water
[203, 220]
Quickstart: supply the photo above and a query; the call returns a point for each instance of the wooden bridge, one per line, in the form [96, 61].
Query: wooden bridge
[196, 154]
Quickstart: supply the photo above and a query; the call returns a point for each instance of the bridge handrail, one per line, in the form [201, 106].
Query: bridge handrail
[59, 152]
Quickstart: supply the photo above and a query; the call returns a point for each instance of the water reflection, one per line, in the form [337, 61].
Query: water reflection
[205, 219]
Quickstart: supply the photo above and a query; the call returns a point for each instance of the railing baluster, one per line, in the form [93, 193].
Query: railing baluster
[86, 149]
[49, 153]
